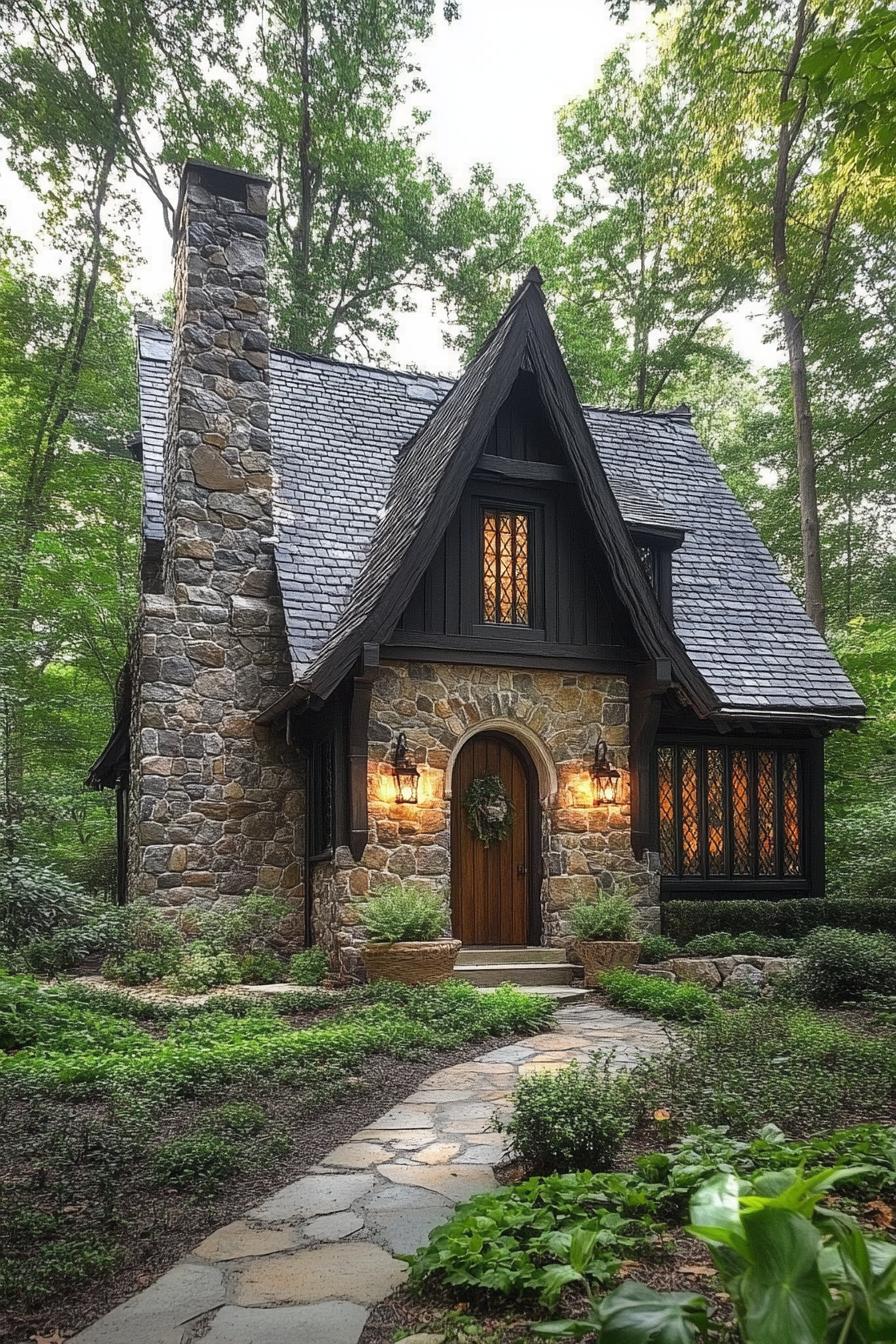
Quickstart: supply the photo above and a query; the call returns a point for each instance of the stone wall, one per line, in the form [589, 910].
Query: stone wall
[216, 801]
[584, 848]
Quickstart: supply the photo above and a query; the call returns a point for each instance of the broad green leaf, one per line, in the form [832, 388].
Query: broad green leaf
[636, 1314]
[785, 1299]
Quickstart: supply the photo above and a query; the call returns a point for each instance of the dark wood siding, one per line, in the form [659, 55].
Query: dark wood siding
[521, 430]
[574, 610]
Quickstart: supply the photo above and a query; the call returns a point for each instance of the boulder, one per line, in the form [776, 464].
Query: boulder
[747, 976]
[696, 970]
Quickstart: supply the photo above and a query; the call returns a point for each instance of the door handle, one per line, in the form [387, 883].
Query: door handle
[521, 870]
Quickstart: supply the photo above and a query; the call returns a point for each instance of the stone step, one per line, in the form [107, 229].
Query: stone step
[565, 994]
[499, 973]
[510, 956]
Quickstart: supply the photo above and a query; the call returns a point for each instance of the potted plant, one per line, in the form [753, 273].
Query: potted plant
[602, 931]
[406, 928]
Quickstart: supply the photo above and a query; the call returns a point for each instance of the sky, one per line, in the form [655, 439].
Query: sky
[497, 77]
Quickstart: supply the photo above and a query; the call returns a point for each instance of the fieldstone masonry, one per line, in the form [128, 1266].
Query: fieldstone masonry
[584, 847]
[215, 799]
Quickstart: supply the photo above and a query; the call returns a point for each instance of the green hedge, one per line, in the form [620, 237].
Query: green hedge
[683, 920]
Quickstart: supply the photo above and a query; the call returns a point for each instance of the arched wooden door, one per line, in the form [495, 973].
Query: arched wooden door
[492, 886]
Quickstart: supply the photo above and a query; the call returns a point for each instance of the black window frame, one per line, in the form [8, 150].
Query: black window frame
[512, 510]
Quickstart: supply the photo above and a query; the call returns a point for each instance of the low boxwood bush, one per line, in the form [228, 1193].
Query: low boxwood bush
[839, 965]
[260, 968]
[744, 944]
[675, 1000]
[574, 1119]
[683, 920]
[202, 967]
[308, 967]
[140, 968]
[404, 915]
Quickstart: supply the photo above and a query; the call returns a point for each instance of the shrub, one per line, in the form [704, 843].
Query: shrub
[679, 1002]
[769, 1062]
[657, 947]
[571, 1120]
[198, 1162]
[861, 848]
[139, 968]
[609, 917]
[839, 965]
[683, 920]
[511, 1240]
[35, 900]
[744, 944]
[250, 927]
[308, 967]
[202, 968]
[33, 1017]
[260, 968]
[405, 915]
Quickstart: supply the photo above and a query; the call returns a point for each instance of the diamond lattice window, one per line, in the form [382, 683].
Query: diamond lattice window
[729, 812]
[505, 568]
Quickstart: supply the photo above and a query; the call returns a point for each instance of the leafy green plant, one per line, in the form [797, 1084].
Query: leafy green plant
[768, 1061]
[723, 944]
[535, 1237]
[202, 968]
[249, 927]
[794, 1271]
[45, 1020]
[139, 968]
[308, 967]
[679, 1002]
[657, 947]
[573, 1119]
[839, 965]
[405, 915]
[236, 1117]
[35, 900]
[197, 1162]
[609, 917]
[39, 1263]
[260, 968]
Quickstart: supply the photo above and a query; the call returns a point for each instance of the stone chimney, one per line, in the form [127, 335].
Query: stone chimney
[215, 799]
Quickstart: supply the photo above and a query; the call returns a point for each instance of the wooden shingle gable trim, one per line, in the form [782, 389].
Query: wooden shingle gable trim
[431, 473]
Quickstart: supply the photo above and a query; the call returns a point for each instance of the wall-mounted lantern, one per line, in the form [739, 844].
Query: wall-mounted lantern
[604, 777]
[404, 767]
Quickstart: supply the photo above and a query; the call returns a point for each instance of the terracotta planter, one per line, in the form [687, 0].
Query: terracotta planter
[596, 957]
[411, 963]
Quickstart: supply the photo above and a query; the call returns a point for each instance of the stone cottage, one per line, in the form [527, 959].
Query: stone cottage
[387, 618]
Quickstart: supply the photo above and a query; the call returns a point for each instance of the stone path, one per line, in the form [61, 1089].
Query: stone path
[306, 1266]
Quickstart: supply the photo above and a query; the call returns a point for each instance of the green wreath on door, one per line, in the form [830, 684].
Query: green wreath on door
[488, 808]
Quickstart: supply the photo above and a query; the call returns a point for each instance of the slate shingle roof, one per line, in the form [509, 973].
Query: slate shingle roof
[338, 430]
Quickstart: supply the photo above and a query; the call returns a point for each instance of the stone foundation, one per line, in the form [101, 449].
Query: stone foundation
[557, 717]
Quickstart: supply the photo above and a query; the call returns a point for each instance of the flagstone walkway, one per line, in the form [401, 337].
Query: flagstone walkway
[306, 1266]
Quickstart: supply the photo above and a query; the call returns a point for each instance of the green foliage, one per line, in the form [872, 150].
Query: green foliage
[657, 947]
[37, 1263]
[202, 967]
[308, 967]
[243, 1118]
[34, 900]
[260, 968]
[535, 1238]
[684, 920]
[744, 944]
[139, 968]
[226, 1041]
[405, 915]
[793, 1270]
[249, 927]
[570, 1120]
[769, 1062]
[609, 916]
[197, 1163]
[839, 965]
[677, 1001]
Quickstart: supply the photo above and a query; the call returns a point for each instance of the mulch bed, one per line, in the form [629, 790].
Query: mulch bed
[153, 1226]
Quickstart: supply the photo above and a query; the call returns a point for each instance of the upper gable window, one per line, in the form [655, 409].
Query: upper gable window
[505, 567]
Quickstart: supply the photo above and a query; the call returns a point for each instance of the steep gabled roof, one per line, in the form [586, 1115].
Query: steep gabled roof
[338, 430]
[431, 472]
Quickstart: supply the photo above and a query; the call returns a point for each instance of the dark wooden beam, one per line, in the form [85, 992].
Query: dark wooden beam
[358, 723]
[515, 469]
[648, 683]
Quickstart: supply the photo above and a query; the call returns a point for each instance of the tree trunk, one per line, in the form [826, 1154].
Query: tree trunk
[806, 469]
